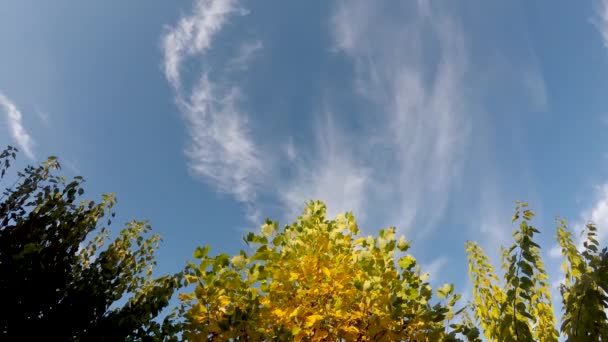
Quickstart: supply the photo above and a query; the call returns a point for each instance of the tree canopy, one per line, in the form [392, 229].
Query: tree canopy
[316, 280]
[62, 277]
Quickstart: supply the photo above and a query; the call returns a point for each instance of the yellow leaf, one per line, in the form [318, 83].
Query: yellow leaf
[224, 301]
[279, 313]
[267, 229]
[403, 245]
[191, 279]
[389, 234]
[300, 335]
[351, 330]
[265, 301]
[296, 330]
[352, 227]
[341, 221]
[320, 335]
[311, 320]
[495, 313]
[359, 241]
[201, 309]
[199, 318]
[565, 267]
[238, 261]
[185, 297]
[295, 312]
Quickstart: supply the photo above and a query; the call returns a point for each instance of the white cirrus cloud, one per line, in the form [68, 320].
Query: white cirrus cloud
[221, 149]
[601, 20]
[194, 34]
[334, 175]
[15, 124]
[289, 150]
[247, 51]
[421, 122]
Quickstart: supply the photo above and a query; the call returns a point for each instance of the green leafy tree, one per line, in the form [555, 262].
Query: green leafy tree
[317, 280]
[585, 287]
[520, 309]
[62, 278]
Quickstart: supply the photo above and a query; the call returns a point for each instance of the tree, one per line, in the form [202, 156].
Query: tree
[585, 287]
[521, 310]
[58, 280]
[316, 280]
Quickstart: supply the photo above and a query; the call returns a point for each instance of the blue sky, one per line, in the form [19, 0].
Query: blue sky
[207, 116]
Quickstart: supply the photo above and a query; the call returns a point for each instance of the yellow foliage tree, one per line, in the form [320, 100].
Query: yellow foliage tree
[317, 280]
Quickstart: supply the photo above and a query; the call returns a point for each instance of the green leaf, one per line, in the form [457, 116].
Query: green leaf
[445, 290]
[201, 252]
[526, 268]
[403, 245]
[268, 228]
[407, 262]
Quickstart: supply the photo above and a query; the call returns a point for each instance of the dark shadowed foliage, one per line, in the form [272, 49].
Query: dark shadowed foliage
[62, 278]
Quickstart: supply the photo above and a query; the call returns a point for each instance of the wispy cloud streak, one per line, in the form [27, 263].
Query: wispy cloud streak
[421, 115]
[194, 34]
[15, 124]
[247, 51]
[334, 175]
[601, 20]
[221, 149]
